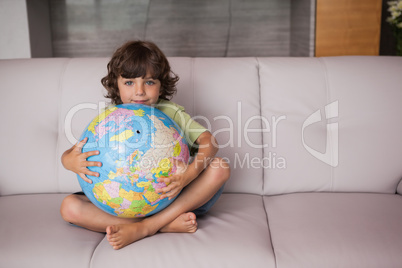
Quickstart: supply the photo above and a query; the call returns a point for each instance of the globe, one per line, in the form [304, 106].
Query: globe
[137, 144]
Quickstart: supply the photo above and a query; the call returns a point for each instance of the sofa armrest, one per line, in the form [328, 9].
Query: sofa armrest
[399, 188]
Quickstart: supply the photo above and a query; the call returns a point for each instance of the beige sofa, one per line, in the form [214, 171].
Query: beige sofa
[315, 147]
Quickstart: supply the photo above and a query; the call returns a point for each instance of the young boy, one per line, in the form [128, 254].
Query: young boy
[140, 73]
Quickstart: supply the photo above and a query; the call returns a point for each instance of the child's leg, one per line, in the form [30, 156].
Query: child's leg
[193, 196]
[77, 209]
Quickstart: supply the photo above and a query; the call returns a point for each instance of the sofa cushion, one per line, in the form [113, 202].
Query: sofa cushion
[233, 234]
[227, 99]
[291, 90]
[81, 99]
[370, 145]
[337, 124]
[336, 229]
[29, 108]
[33, 234]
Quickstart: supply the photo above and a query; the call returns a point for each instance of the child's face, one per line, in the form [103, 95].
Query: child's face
[139, 90]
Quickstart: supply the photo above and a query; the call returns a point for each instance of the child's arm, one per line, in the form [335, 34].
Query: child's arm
[73, 159]
[208, 148]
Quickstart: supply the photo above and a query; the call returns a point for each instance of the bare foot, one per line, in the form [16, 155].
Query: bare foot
[122, 235]
[185, 223]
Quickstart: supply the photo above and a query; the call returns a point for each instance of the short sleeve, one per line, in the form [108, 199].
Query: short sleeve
[192, 129]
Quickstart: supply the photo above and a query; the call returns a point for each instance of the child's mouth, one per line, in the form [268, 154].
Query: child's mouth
[140, 101]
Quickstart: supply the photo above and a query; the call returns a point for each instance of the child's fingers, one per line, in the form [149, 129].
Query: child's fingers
[170, 194]
[165, 180]
[90, 172]
[82, 175]
[90, 153]
[82, 143]
[166, 189]
[93, 164]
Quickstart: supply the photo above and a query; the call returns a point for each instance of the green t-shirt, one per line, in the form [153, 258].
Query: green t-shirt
[192, 129]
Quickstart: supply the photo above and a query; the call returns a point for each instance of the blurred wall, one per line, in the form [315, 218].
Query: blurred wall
[302, 28]
[14, 30]
[25, 29]
[203, 28]
[39, 28]
[192, 28]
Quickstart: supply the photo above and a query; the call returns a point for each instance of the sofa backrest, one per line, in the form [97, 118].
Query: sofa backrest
[284, 124]
[343, 126]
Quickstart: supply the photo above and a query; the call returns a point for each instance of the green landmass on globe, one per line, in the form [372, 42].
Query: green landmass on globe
[138, 144]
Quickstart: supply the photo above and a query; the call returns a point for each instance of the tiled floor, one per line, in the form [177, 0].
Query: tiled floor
[203, 28]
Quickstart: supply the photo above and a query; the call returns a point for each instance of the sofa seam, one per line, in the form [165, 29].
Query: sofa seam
[90, 264]
[60, 93]
[269, 230]
[328, 99]
[263, 154]
[260, 112]
[93, 252]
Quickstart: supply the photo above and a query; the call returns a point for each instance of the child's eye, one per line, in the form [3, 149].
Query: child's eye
[150, 83]
[128, 83]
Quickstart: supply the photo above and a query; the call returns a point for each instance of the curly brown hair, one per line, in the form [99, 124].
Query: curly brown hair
[134, 59]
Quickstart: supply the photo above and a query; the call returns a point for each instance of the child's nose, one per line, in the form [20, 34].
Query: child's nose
[139, 90]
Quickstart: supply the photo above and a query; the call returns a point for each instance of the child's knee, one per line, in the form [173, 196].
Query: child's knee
[69, 208]
[221, 169]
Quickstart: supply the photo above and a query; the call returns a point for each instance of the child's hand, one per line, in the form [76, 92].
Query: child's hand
[174, 183]
[76, 161]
